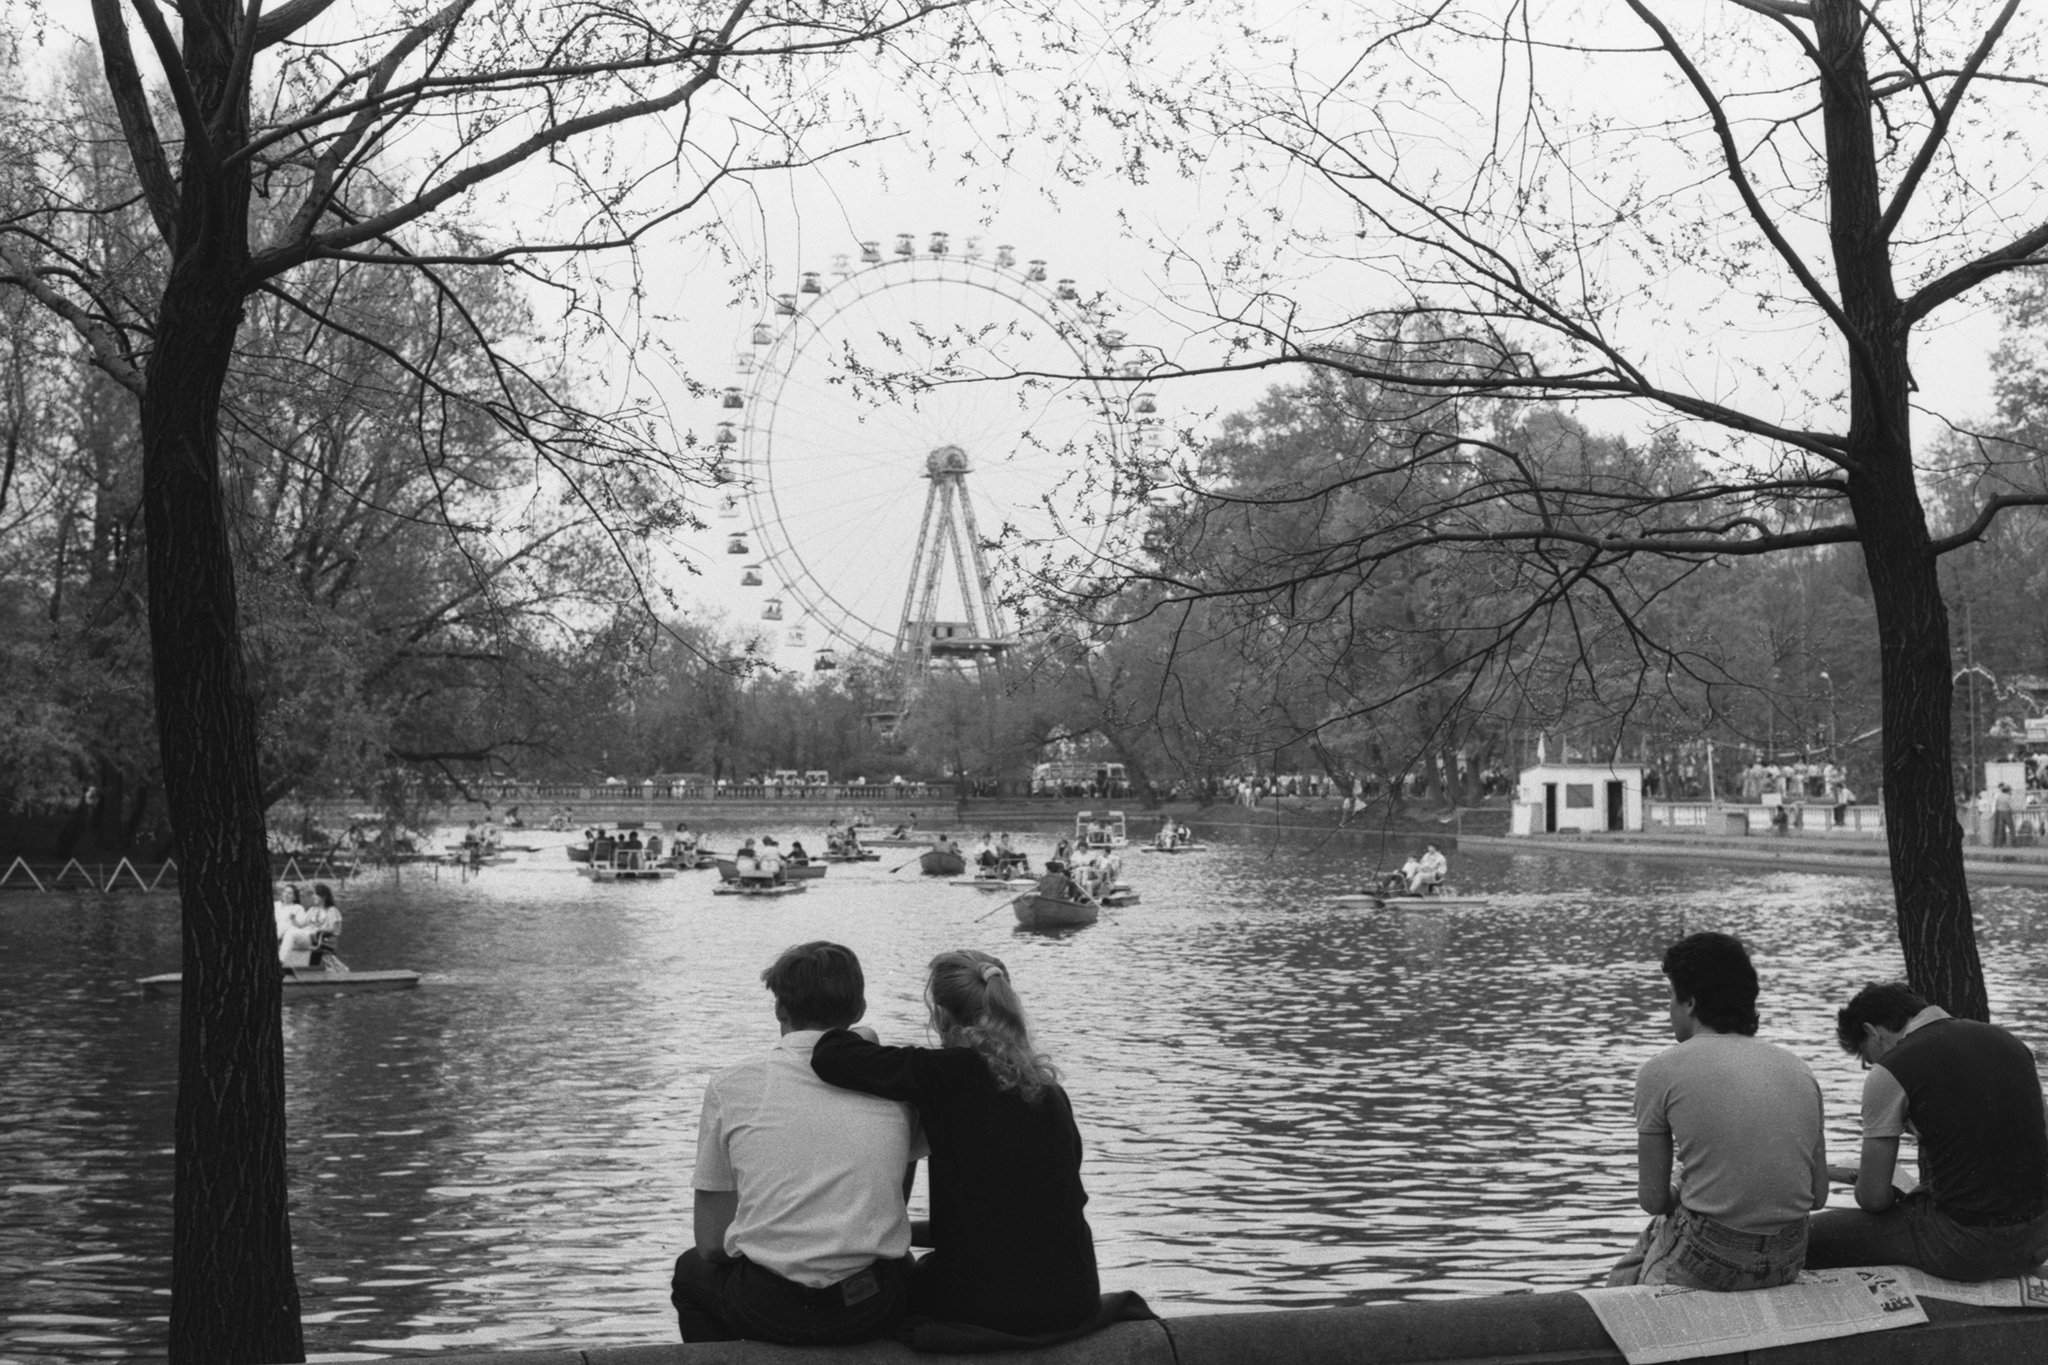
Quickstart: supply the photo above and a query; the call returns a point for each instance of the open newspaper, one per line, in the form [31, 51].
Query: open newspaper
[1663, 1322]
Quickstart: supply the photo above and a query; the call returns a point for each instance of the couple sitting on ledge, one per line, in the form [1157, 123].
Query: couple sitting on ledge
[805, 1156]
[1742, 1119]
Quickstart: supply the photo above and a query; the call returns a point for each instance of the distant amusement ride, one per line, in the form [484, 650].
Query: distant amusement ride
[919, 441]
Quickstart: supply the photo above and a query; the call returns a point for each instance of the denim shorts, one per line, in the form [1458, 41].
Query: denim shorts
[1692, 1250]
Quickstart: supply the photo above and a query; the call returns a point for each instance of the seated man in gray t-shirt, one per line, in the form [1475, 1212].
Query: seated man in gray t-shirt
[1742, 1120]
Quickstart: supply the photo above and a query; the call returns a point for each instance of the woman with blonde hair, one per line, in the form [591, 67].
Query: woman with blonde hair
[1011, 1249]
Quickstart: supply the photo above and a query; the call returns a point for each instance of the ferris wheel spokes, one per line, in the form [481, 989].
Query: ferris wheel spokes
[931, 362]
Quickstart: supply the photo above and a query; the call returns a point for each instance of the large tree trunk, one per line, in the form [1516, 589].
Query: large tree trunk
[233, 1295]
[1936, 931]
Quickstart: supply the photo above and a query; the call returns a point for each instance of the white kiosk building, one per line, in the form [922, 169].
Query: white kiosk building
[1579, 798]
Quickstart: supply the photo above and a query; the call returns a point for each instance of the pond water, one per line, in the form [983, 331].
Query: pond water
[1284, 1103]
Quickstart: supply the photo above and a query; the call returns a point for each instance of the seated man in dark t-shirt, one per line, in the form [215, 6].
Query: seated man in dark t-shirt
[1971, 1094]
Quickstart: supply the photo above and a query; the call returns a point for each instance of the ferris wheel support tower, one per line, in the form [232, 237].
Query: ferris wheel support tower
[946, 536]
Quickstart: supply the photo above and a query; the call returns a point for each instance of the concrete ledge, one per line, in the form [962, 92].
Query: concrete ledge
[1516, 1329]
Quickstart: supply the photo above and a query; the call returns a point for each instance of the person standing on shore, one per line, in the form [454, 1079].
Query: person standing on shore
[1743, 1121]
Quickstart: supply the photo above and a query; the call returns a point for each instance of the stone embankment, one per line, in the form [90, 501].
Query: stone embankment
[1518, 1329]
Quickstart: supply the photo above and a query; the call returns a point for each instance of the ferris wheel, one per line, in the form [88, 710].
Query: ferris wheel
[926, 439]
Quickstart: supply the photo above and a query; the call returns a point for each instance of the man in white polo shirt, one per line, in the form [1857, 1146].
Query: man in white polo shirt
[800, 1227]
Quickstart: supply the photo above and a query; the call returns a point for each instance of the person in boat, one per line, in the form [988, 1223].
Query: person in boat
[653, 847]
[904, 829]
[768, 862]
[602, 846]
[1182, 835]
[296, 938]
[800, 1232]
[797, 856]
[835, 842]
[1086, 879]
[1062, 856]
[326, 923]
[1011, 1246]
[1426, 873]
[1164, 839]
[985, 857]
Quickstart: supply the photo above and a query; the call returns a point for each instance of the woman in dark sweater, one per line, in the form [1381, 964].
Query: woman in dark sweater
[1011, 1247]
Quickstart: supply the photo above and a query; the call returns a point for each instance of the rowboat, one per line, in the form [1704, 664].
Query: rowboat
[1174, 848]
[751, 887]
[303, 984]
[1034, 911]
[941, 862]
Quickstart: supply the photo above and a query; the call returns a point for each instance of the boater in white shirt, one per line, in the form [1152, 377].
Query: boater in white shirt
[800, 1228]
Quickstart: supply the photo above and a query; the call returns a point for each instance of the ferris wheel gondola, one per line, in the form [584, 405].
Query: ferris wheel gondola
[907, 413]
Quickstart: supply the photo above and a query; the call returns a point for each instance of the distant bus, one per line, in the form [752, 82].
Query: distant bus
[1080, 777]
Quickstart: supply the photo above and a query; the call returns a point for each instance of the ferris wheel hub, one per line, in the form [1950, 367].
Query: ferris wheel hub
[946, 460]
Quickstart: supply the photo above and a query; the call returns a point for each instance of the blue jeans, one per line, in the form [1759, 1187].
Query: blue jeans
[1692, 1250]
[1913, 1232]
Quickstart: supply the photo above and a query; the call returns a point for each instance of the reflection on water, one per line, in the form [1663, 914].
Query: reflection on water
[1285, 1103]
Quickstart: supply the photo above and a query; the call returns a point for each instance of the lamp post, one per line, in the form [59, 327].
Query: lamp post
[1834, 722]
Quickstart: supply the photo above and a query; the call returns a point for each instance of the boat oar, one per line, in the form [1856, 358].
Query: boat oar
[900, 866]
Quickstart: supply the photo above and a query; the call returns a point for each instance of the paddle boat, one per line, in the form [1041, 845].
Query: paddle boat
[729, 871]
[1103, 829]
[1173, 838]
[753, 886]
[303, 983]
[689, 859]
[1440, 898]
[627, 865]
